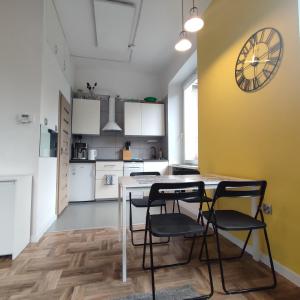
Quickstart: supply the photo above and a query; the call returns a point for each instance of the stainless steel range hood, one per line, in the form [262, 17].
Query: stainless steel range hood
[111, 124]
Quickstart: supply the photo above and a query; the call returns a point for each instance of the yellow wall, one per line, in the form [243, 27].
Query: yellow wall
[255, 135]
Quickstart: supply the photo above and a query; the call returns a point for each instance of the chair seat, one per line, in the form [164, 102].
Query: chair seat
[234, 220]
[193, 200]
[174, 225]
[143, 202]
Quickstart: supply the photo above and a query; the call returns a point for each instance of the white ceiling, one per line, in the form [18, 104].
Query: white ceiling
[91, 29]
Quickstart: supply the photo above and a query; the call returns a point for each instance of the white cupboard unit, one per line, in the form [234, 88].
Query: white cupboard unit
[132, 118]
[82, 182]
[15, 214]
[153, 119]
[157, 166]
[86, 116]
[104, 168]
[144, 119]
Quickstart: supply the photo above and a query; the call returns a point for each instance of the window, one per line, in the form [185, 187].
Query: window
[190, 116]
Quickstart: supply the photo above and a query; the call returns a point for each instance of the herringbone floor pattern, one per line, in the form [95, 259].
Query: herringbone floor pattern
[86, 265]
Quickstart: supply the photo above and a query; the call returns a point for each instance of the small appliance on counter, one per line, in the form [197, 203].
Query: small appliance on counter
[92, 154]
[80, 151]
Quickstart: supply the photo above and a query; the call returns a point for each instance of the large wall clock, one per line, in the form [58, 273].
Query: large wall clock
[259, 59]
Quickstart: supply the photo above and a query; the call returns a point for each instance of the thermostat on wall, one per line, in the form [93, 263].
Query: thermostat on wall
[24, 118]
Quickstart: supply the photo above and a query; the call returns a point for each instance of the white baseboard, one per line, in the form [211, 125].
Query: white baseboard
[36, 237]
[279, 268]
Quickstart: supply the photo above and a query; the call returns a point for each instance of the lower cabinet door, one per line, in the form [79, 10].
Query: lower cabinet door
[104, 191]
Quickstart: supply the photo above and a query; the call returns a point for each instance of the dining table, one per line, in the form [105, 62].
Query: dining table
[133, 184]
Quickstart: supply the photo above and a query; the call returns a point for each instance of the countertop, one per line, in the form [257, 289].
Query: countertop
[193, 167]
[133, 160]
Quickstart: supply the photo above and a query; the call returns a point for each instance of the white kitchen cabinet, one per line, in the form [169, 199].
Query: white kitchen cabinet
[86, 116]
[132, 118]
[144, 119]
[102, 190]
[157, 166]
[153, 119]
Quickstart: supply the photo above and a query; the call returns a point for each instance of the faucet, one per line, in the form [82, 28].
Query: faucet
[153, 152]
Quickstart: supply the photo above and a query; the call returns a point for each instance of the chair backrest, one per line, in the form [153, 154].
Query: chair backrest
[145, 174]
[241, 189]
[187, 191]
[180, 171]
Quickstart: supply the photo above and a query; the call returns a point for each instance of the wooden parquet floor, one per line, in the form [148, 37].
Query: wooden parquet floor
[86, 265]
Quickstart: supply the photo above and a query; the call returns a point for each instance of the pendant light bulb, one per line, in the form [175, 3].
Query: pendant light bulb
[194, 23]
[184, 43]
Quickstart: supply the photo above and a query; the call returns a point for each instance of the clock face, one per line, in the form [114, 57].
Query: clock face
[258, 60]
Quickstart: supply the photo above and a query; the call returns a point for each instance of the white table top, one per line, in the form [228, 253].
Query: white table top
[147, 181]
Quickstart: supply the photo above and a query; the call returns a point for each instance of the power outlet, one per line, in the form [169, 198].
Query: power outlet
[267, 208]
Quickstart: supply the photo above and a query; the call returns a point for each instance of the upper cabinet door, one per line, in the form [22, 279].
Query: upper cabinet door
[153, 119]
[132, 118]
[86, 116]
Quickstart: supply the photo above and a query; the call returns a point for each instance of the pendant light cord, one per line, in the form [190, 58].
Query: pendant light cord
[182, 17]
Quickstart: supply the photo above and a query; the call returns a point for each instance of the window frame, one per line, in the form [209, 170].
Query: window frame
[193, 77]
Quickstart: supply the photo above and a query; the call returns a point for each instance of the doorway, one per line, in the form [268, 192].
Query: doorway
[63, 154]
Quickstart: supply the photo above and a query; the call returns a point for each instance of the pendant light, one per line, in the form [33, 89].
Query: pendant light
[194, 23]
[184, 43]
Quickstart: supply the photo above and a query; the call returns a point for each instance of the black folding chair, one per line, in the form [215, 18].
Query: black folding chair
[174, 224]
[143, 203]
[232, 220]
[206, 199]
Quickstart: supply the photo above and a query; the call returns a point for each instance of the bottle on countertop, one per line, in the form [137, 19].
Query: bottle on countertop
[160, 154]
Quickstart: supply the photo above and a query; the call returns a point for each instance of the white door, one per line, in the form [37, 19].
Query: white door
[153, 119]
[132, 118]
[86, 116]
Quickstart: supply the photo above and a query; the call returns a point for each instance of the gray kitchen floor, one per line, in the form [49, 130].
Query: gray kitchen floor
[87, 215]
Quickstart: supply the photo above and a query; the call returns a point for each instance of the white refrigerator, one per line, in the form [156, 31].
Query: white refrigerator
[82, 182]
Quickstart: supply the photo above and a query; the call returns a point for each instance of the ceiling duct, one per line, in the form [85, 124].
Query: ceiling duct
[114, 22]
[111, 125]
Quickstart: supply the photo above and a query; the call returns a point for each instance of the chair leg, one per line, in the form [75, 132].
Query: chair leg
[178, 207]
[132, 231]
[172, 265]
[208, 269]
[214, 260]
[145, 244]
[152, 266]
[271, 259]
[255, 289]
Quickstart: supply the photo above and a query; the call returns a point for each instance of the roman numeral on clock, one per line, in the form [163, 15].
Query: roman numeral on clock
[255, 83]
[275, 48]
[253, 40]
[270, 36]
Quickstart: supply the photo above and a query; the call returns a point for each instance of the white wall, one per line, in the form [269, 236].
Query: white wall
[53, 82]
[30, 81]
[20, 82]
[117, 78]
